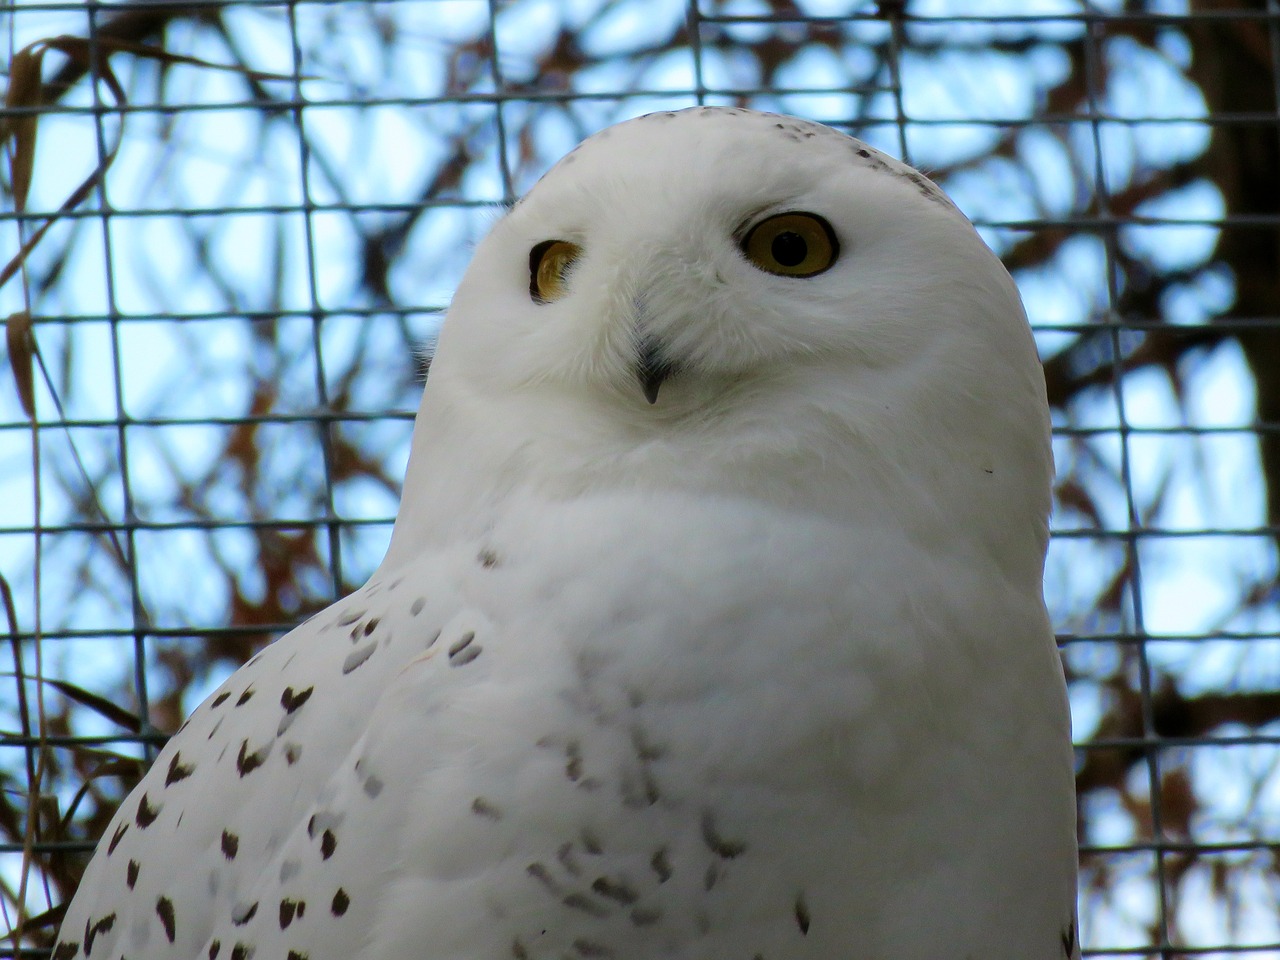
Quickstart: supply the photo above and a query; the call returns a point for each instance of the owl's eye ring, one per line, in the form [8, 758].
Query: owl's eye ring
[549, 265]
[792, 244]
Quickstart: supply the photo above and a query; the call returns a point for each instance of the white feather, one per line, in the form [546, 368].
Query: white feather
[761, 670]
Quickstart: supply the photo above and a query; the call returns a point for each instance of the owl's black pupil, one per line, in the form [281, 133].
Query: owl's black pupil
[789, 249]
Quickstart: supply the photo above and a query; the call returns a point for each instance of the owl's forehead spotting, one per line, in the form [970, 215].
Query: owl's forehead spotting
[681, 143]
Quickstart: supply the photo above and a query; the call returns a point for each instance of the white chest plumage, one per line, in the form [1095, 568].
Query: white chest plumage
[710, 736]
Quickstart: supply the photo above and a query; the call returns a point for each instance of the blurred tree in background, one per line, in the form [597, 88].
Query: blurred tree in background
[225, 341]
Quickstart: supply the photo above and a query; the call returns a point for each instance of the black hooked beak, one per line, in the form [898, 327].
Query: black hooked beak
[652, 368]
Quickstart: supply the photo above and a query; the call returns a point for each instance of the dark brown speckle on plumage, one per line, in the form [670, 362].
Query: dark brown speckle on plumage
[661, 864]
[243, 913]
[177, 770]
[116, 838]
[584, 904]
[91, 930]
[247, 762]
[463, 650]
[721, 847]
[146, 814]
[357, 657]
[340, 903]
[802, 916]
[168, 919]
[291, 701]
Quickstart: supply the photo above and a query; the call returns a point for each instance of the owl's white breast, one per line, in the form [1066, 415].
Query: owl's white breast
[803, 719]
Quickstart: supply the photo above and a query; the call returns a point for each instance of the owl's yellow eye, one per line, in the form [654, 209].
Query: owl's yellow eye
[549, 266]
[792, 245]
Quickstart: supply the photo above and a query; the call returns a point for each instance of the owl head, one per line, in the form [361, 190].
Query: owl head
[724, 301]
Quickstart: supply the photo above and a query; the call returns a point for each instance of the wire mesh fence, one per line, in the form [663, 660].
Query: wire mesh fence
[253, 216]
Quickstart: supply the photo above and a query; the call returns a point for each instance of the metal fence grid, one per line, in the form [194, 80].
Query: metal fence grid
[222, 338]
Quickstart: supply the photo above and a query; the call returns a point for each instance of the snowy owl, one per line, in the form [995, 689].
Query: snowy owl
[711, 627]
